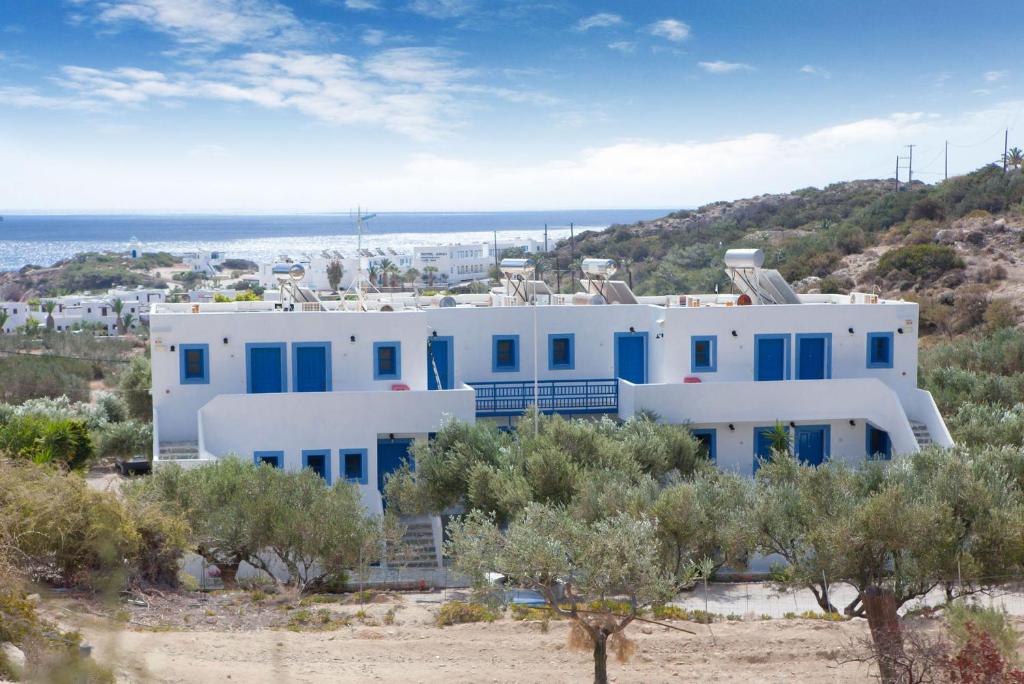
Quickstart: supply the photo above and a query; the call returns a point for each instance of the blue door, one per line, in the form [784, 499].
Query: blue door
[266, 368]
[310, 368]
[391, 454]
[812, 357]
[631, 357]
[440, 364]
[812, 443]
[770, 357]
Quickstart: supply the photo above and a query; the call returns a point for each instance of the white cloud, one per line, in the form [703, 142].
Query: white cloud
[361, 4]
[442, 9]
[812, 70]
[623, 46]
[632, 173]
[993, 76]
[670, 29]
[599, 20]
[207, 24]
[417, 92]
[720, 67]
[373, 36]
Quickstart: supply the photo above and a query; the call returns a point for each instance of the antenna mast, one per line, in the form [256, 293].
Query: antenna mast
[361, 282]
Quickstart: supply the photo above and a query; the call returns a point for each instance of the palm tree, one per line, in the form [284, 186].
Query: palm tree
[49, 307]
[127, 320]
[118, 306]
[4, 317]
[1015, 158]
[430, 272]
[411, 275]
[372, 272]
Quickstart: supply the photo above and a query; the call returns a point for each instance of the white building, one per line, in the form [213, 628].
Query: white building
[346, 392]
[204, 262]
[452, 264]
[74, 311]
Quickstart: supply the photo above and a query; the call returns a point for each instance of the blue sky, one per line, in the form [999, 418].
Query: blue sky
[313, 105]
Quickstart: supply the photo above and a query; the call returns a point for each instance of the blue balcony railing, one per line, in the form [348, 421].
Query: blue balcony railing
[553, 396]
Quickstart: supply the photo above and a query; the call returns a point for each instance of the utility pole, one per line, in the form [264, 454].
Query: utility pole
[545, 237]
[572, 253]
[897, 173]
[945, 169]
[496, 250]
[910, 167]
[1006, 142]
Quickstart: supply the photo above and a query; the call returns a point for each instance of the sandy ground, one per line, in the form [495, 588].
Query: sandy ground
[414, 649]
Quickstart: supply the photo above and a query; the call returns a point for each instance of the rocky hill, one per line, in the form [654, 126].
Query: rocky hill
[955, 246]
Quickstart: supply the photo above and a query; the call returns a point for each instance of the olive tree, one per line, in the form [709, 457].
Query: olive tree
[242, 512]
[569, 561]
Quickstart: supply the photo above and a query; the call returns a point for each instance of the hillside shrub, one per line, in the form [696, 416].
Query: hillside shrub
[920, 261]
[135, 384]
[63, 532]
[460, 612]
[126, 440]
[64, 441]
[995, 623]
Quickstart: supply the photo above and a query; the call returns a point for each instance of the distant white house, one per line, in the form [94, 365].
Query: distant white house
[205, 262]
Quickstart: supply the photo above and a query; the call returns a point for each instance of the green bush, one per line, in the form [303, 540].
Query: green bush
[458, 612]
[921, 261]
[993, 622]
[135, 385]
[63, 532]
[64, 442]
[126, 440]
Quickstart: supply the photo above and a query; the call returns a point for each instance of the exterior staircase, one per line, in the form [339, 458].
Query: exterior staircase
[418, 548]
[921, 434]
[179, 451]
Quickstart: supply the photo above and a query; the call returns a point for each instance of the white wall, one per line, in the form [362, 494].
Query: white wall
[243, 424]
[351, 362]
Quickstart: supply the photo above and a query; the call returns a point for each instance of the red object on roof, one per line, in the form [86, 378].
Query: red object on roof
[690, 379]
[400, 387]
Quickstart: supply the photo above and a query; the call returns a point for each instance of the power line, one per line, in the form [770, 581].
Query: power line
[62, 356]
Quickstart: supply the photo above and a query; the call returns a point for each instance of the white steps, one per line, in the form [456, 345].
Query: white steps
[418, 548]
[179, 451]
[921, 434]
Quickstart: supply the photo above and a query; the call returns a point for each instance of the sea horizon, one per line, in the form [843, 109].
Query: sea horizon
[45, 238]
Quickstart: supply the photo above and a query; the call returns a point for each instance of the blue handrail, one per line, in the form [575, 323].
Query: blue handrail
[510, 398]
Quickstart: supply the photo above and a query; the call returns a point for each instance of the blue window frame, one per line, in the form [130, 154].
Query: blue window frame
[505, 353]
[194, 364]
[311, 366]
[771, 357]
[319, 461]
[266, 365]
[562, 351]
[354, 465]
[877, 443]
[813, 356]
[387, 360]
[274, 458]
[703, 353]
[707, 438]
[880, 350]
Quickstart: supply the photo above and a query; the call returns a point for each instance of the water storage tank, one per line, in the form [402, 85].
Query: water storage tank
[294, 272]
[598, 268]
[585, 299]
[744, 258]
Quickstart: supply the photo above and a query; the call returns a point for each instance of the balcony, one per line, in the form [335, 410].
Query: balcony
[552, 396]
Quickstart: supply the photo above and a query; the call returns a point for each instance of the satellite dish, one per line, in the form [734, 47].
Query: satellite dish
[387, 307]
[447, 302]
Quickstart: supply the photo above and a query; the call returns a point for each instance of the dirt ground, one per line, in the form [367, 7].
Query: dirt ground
[216, 643]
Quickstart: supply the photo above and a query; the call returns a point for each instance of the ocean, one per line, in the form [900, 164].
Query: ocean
[43, 239]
